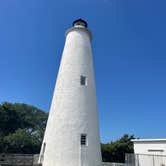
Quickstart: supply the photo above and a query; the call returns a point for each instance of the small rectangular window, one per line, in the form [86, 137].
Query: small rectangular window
[44, 147]
[41, 158]
[83, 139]
[83, 80]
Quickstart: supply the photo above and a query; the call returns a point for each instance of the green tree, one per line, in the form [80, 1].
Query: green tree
[21, 128]
[115, 150]
[21, 141]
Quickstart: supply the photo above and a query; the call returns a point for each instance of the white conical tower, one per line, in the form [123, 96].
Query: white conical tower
[72, 133]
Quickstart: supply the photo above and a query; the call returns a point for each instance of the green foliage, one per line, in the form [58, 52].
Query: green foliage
[21, 128]
[115, 151]
[21, 141]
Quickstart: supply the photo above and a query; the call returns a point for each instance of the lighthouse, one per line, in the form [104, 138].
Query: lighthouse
[72, 133]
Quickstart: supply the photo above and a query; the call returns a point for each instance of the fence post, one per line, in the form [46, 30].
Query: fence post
[137, 159]
[153, 161]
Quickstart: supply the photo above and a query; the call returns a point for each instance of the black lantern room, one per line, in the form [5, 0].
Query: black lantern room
[80, 22]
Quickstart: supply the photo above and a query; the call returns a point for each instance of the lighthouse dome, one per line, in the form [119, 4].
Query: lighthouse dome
[80, 22]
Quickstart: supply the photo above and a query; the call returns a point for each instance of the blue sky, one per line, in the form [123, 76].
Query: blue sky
[129, 38]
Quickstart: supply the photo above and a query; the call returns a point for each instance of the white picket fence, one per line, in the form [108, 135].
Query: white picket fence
[145, 160]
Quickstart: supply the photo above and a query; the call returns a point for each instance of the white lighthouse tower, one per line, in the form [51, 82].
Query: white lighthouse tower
[72, 133]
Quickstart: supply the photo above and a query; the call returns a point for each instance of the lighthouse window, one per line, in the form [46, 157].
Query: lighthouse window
[42, 154]
[83, 80]
[83, 139]
[44, 147]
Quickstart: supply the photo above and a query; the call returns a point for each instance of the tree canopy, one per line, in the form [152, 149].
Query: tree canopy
[115, 150]
[21, 128]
